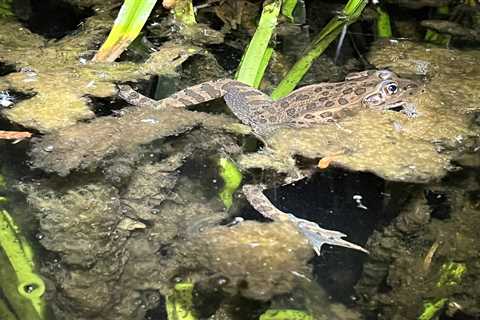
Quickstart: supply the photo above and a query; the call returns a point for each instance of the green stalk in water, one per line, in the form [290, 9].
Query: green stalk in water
[184, 12]
[127, 26]
[6, 10]
[22, 287]
[384, 28]
[257, 55]
[287, 8]
[431, 309]
[349, 15]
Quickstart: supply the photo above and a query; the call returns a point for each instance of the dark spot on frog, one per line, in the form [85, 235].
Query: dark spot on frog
[329, 87]
[342, 101]
[347, 91]
[325, 93]
[309, 116]
[284, 104]
[290, 112]
[302, 97]
[329, 104]
[360, 91]
[322, 99]
[312, 106]
[327, 114]
[318, 89]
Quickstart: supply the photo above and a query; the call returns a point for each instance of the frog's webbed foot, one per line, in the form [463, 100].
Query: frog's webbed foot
[316, 236]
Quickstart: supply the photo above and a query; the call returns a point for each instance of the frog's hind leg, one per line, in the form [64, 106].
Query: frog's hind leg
[134, 98]
[316, 236]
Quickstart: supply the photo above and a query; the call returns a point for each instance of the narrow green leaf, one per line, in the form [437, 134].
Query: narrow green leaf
[349, 14]
[128, 24]
[253, 59]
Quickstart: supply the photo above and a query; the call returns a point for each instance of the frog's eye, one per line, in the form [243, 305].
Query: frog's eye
[392, 88]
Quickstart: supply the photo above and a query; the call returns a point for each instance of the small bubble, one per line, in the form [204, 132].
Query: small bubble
[48, 148]
[222, 281]
[29, 288]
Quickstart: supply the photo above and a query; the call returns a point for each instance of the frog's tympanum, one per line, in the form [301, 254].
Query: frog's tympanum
[305, 107]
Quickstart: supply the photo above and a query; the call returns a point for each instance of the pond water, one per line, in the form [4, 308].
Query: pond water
[355, 198]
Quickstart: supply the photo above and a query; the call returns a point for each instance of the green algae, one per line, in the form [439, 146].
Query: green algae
[431, 309]
[179, 304]
[285, 315]
[451, 274]
[61, 77]
[232, 178]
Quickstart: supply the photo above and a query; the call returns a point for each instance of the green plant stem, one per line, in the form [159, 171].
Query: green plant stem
[287, 8]
[431, 309]
[184, 12]
[5, 313]
[349, 14]
[384, 28]
[127, 26]
[256, 56]
[24, 288]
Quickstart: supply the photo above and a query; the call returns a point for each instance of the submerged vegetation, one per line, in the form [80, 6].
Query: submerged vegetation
[110, 211]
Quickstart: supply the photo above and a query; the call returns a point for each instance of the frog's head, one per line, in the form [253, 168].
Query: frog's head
[384, 89]
[381, 89]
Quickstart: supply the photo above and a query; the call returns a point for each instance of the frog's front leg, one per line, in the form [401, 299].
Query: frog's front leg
[316, 236]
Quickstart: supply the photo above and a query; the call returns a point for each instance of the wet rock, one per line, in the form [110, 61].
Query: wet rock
[458, 31]
[253, 260]
[390, 144]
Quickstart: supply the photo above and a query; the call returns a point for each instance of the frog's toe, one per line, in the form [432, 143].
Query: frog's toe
[318, 236]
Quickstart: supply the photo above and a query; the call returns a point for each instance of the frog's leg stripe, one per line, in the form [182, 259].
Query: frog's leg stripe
[134, 98]
[193, 95]
[212, 91]
[197, 97]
